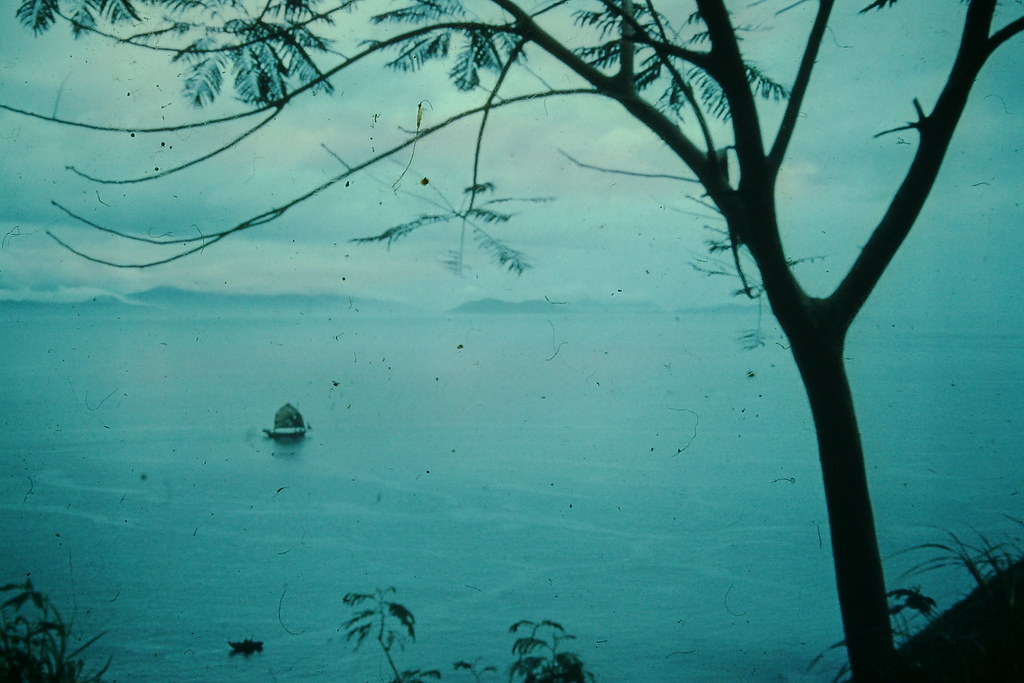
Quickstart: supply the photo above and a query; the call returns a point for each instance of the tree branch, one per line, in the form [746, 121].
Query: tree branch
[936, 131]
[474, 187]
[124, 129]
[627, 50]
[635, 174]
[278, 211]
[643, 111]
[488, 105]
[913, 125]
[727, 67]
[532, 31]
[683, 84]
[180, 167]
[662, 47]
[796, 96]
[1005, 33]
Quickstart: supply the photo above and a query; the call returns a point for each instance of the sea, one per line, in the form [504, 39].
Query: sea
[646, 479]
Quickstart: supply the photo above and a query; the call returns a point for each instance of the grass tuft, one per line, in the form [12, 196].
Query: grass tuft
[979, 639]
[35, 641]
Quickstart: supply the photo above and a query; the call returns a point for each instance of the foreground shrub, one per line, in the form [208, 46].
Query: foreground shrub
[981, 638]
[539, 656]
[34, 641]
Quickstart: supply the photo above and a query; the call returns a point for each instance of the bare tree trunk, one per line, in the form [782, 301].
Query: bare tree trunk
[858, 565]
[817, 334]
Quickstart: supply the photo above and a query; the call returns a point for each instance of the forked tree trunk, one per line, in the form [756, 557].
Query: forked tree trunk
[818, 352]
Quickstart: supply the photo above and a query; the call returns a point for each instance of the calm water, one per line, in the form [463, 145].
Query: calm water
[637, 477]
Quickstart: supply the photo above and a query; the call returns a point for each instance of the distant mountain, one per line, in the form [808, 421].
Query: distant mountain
[100, 303]
[195, 302]
[490, 306]
[168, 297]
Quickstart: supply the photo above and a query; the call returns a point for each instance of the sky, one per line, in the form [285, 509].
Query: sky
[597, 236]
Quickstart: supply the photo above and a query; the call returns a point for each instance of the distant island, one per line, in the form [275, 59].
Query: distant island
[170, 298]
[225, 303]
[489, 306]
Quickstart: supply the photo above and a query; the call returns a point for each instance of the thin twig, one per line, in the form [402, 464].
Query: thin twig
[617, 171]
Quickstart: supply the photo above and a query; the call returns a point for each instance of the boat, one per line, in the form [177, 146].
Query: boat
[246, 647]
[288, 424]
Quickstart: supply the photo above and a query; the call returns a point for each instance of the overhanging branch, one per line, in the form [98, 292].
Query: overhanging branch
[274, 107]
[209, 238]
[180, 167]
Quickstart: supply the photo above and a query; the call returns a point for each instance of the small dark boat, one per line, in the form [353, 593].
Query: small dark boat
[288, 424]
[246, 647]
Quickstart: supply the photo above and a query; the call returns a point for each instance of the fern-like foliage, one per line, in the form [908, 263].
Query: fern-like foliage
[878, 4]
[82, 15]
[603, 56]
[481, 50]
[474, 218]
[389, 620]
[415, 53]
[397, 232]
[265, 59]
[660, 68]
[474, 668]
[117, 11]
[539, 658]
[203, 83]
[712, 97]
[389, 623]
[764, 86]
[264, 56]
[475, 48]
[422, 12]
[37, 15]
[504, 255]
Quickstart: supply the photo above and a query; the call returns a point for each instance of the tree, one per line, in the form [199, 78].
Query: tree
[681, 75]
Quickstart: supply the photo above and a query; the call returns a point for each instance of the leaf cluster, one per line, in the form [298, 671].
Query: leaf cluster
[473, 217]
[668, 57]
[910, 598]
[475, 669]
[265, 56]
[390, 623]
[537, 647]
[476, 46]
[34, 641]
[539, 658]
[40, 15]
[391, 619]
[417, 676]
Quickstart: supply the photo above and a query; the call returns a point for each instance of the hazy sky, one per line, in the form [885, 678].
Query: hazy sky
[603, 235]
